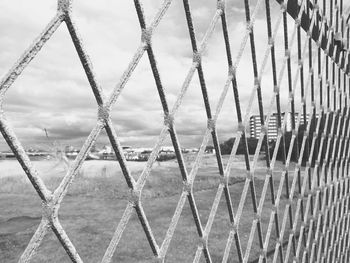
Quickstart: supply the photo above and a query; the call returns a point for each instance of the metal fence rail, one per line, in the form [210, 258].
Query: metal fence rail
[315, 224]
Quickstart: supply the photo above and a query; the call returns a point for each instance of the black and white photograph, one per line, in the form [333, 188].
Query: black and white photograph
[175, 131]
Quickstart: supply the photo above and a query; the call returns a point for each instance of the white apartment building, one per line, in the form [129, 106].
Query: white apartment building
[272, 131]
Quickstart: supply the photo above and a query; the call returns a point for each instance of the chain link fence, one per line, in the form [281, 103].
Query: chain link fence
[313, 224]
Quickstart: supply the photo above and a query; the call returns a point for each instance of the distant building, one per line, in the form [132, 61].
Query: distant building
[107, 153]
[168, 149]
[193, 150]
[289, 120]
[70, 151]
[272, 130]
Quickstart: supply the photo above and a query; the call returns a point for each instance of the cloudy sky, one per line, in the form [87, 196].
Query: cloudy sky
[53, 92]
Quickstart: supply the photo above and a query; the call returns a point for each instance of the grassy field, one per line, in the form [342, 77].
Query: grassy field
[96, 201]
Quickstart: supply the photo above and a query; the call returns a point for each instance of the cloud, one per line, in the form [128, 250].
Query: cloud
[53, 92]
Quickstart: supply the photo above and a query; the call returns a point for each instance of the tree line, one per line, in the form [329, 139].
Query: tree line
[285, 142]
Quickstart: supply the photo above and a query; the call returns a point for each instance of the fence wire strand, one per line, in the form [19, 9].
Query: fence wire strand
[313, 224]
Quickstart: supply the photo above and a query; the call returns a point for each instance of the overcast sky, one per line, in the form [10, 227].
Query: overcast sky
[53, 92]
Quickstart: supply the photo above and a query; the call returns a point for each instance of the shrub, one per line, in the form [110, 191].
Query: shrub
[226, 147]
[308, 144]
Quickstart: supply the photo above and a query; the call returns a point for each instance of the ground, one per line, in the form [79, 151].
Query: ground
[98, 196]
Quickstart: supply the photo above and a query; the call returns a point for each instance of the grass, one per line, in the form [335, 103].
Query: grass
[96, 201]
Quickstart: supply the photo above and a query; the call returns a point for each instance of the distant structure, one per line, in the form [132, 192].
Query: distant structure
[255, 126]
[137, 154]
[272, 130]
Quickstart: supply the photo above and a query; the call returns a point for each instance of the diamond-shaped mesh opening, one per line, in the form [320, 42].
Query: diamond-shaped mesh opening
[138, 117]
[185, 240]
[160, 211]
[227, 126]
[50, 124]
[191, 121]
[201, 13]
[106, 49]
[133, 245]
[97, 198]
[54, 116]
[214, 63]
[206, 182]
[90, 218]
[244, 213]
[205, 196]
[175, 58]
[162, 191]
[219, 231]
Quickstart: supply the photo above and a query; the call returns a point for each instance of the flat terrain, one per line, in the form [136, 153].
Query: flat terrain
[98, 196]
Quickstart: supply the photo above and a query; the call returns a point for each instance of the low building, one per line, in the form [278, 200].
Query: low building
[107, 153]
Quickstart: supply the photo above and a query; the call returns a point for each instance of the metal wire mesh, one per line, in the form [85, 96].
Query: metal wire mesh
[314, 225]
